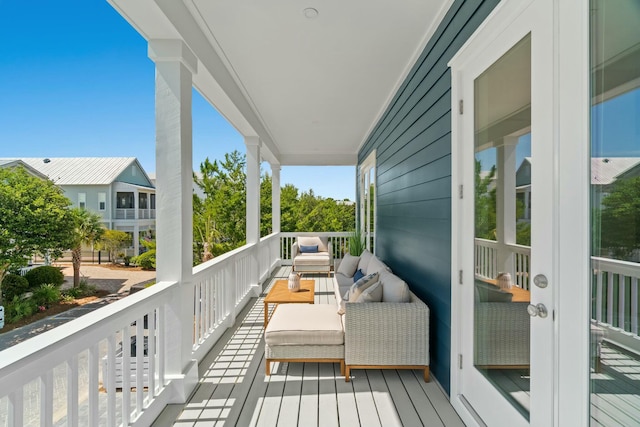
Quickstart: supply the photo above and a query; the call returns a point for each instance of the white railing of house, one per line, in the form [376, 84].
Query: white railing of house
[486, 258]
[521, 264]
[109, 366]
[143, 214]
[152, 213]
[122, 213]
[73, 374]
[486, 261]
[616, 294]
[338, 241]
[615, 297]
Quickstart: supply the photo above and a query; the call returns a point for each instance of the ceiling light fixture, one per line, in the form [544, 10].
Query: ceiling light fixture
[310, 13]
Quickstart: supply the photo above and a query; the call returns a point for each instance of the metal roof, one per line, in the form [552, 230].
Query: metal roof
[605, 170]
[79, 170]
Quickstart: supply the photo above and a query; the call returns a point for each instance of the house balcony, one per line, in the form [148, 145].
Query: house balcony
[76, 374]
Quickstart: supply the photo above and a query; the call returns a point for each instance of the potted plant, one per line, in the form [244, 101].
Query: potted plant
[356, 243]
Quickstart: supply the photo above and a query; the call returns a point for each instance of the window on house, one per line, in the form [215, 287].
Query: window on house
[142, 201]
[152, 201]
[125, 200]
[82, 200]
[102, 201]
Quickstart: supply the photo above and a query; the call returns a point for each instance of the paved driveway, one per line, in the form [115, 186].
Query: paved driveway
[114, 281]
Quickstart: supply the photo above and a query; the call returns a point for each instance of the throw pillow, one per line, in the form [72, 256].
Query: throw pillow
[348, 265]
[365, 257]
[361, 285]
[394, 289]
[372, 294]
[357, 276]
[309, 249]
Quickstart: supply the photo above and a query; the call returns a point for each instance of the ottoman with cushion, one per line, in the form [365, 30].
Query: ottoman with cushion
[304, 333]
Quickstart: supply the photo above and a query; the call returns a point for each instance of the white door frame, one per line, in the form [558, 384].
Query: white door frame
[364, 177]
[567, 22]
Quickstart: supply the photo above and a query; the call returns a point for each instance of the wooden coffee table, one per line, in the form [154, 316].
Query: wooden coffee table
[279, 294]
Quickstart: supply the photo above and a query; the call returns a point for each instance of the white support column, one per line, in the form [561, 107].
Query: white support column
[275, 197]
[506, 203]
[175, 65]
[253, 208]
[253, 189]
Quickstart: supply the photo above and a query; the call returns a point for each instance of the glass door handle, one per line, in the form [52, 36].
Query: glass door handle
[537, 310]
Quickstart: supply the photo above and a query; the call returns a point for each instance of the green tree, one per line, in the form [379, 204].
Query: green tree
[288, 208]
[220, 219]
[485, 204]
[87, 230]
[266, 214]
[34, 218]
[114, 241]
[620, 218]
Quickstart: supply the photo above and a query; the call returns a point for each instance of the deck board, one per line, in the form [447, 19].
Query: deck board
[234, 389]
[309, 395]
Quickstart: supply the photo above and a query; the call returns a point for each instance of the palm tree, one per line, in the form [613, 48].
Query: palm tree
[87, 229]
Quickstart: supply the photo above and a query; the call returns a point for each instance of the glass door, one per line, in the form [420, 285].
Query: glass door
[614, 326]
[505, 220]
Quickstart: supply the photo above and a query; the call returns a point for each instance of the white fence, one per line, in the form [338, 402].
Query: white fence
[108, 367]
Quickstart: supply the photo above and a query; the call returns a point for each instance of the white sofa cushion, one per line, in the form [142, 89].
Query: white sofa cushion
[348, 265]
[321, 258]
[321, 242]
[304, 324]
[394, 289]
[365, 257]
[375, 265]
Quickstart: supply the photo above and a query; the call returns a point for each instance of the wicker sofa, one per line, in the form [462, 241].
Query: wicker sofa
[392, 333]
[385, 334]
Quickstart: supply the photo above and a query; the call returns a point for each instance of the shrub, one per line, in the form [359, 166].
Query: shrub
[146, 260]
[19, 309]
[80, 291]
[14, 285]
[46, 295]
[44, 275]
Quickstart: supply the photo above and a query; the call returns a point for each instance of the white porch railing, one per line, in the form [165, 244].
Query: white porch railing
[486, 261]
[615, 296]
[338, 241]
[125, 213]
[108, 367]
[143, 214]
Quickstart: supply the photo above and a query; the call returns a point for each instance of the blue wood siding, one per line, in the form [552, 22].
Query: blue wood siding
[413, 176]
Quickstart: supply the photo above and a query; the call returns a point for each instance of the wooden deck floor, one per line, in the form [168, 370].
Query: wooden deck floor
[615, 390]
[234, 390]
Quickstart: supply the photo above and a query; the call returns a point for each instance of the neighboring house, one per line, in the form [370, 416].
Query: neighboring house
[12, 163]
[116, 188]
[604, 172]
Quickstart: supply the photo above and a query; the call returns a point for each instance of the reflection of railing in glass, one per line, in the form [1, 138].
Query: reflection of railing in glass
[615, 292]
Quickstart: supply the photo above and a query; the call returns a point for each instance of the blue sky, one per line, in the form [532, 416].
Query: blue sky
[75, 80]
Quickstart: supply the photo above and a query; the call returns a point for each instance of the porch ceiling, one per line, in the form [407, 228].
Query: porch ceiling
[311, 88]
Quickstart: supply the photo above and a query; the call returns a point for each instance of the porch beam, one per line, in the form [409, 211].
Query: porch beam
[175, 65]
[506, 203]
[275, 198]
